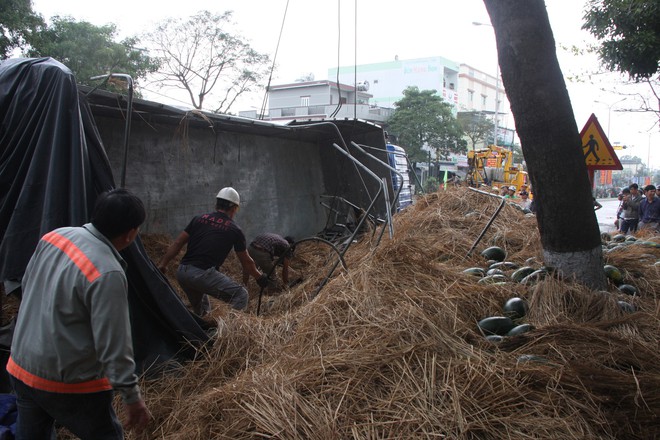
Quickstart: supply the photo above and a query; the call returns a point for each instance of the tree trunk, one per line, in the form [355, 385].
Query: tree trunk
[550, 139]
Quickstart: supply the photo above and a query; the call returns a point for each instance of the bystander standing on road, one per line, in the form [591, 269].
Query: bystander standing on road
[630, 209]
[524, 200]
[649, 210]
[72, 343]
[210, 238]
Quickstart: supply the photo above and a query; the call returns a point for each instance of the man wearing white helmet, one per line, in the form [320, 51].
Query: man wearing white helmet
[210, 238]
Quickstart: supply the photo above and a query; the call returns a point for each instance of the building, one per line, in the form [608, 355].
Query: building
[319, 100]
[386, 81]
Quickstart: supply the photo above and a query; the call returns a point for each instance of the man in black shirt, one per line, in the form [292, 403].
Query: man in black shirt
[210, 238]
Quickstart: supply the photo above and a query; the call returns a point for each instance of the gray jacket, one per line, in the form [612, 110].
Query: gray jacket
[631, 207]
[73, 333]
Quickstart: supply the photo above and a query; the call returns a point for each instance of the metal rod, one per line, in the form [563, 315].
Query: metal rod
[490, 222]
[362, 220]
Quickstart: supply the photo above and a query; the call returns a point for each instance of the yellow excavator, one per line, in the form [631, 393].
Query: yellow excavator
[493, 166]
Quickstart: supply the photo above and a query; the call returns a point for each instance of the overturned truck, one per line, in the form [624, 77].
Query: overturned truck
[61, 145]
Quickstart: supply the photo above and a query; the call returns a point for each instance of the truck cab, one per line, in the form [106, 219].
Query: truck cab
[398, 159]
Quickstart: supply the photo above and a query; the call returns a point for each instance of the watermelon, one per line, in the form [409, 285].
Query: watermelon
[475, 271]
[520, 329]
[515, 308]
[496, 325]
[628, 289]
[494, 253]
[495, 271]
[618, 238]
[626, 307]
[521, 273]
[613, 274]
[535, 277]
[494, 338]
[493, 279]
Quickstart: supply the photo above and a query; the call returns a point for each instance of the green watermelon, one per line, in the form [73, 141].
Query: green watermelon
[619, 238]
[475, 271]
[628, 289]
[521, 273]
[496, 325]
[495, 271]
[515, 308]
[494, 253]
[494, 338]
[493, 279]
[520, 329]
[626, 307]
[535, 277]
[613, 274]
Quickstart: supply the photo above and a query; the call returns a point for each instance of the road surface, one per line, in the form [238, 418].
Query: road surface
[607, 214]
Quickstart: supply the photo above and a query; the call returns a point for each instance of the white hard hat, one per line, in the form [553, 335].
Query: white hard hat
[229, 194]
[512, 188]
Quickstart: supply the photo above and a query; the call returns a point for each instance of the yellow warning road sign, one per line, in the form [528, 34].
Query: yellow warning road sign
[597, 150]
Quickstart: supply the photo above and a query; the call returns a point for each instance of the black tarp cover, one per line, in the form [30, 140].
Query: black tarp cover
[52, 168]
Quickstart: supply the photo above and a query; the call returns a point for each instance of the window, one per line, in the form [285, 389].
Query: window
[483, 100]
[304, 101]
[470, 95]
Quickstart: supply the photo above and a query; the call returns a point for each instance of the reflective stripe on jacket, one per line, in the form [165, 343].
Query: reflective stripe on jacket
[73, 331]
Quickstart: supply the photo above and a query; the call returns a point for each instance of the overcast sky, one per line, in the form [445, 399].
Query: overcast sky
[408, 29]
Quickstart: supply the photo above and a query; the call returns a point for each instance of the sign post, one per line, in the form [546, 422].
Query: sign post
[597, 150]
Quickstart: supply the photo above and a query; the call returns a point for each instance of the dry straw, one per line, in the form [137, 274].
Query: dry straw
[390, 348]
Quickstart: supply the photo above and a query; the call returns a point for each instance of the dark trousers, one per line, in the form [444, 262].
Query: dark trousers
[88, 416]
[629, 225]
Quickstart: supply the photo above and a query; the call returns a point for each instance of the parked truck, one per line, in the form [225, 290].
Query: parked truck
[398, 159]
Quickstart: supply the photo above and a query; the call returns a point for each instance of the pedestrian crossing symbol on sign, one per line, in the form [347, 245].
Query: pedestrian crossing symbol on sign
[597, 150]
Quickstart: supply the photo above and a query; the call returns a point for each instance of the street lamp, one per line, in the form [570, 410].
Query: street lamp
[497, 89]
[609, 112]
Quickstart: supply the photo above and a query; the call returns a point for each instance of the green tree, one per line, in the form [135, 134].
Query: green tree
[90, 50]
[476, 126]
[629, 34]
[202, 58]
[422, 118]
[17, 24]
[535, 87]
[629, 42]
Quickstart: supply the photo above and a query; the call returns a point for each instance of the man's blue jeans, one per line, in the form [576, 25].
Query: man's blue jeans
[88, 416]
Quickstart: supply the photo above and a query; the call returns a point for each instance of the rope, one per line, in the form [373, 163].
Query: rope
[339, 104]
[272, 67]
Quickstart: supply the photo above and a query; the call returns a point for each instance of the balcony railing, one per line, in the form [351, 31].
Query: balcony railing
[361, 111]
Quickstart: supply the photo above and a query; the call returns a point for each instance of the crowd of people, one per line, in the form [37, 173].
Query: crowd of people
[638, 211]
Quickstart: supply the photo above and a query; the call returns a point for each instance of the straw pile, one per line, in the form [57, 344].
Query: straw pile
[390, 348]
